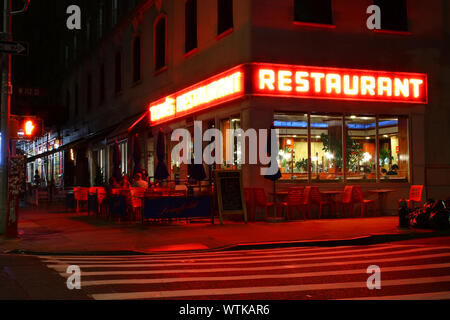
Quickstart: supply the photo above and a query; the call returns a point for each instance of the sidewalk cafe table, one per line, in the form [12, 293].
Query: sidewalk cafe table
[331, 196]
[382, 196]
[279, 195]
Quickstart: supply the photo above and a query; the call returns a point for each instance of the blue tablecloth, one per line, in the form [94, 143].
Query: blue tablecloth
[70, 200]
[117, 205]
[178, 207]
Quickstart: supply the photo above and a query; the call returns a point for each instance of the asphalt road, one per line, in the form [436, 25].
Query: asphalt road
[415, 269]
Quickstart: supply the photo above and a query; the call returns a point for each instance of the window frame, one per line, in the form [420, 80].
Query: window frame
[316, 24]
[157, 68]
[137, 68]
[187, 28]
[227, 29]
[344, 117]
[405, 31]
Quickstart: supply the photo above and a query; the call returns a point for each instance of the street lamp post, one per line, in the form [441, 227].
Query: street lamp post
[5, 111]
[5, 114]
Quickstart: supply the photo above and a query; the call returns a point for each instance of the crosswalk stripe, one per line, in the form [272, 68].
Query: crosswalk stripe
[240, 258]
[259, 277]
[440, 295]
[252, 268]
[267, 260]
[211, 254]
[267, 289]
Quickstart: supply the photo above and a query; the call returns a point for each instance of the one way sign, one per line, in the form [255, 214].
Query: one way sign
[14, 47]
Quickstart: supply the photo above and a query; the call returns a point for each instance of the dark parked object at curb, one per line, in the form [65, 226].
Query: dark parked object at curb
[403, 214]
[434, 215]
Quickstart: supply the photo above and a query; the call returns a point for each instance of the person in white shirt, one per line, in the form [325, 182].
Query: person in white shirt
[139, 182]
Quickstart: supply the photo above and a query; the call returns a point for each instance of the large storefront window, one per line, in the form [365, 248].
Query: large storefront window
[331, 159]
[394, 151]
[233, 123]
[361, 146]
[123, 146]
[326, 148]
[293, 155]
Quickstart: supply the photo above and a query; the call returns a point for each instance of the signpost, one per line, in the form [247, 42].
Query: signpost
[7, 47]
[14, 47]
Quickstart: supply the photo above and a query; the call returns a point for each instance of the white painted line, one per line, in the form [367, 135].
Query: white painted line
[237, 261]
[212, 254]
[443, 295]
[260, 276]
[253, 290]
[253, 268]
[151, 261]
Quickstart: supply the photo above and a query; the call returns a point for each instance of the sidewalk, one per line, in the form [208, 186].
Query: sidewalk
[54, 231]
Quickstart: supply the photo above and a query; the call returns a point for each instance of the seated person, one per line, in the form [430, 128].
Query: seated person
[393, 170]
[113, 184]
[125, 183]
[139, 182]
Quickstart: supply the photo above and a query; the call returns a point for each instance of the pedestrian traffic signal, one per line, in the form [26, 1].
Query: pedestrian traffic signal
[26, 127]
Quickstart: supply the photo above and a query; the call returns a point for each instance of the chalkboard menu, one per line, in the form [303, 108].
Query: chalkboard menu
[230, 197]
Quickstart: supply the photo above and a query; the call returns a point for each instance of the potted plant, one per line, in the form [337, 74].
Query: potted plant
[302, 165]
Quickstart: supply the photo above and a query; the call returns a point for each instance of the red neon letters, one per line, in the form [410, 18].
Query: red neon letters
[215, 90]
[292, 81]
[333, 83]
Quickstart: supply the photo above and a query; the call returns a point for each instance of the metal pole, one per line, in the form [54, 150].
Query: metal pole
[4, 115]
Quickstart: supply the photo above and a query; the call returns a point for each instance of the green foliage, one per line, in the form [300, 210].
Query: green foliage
[385, 154]
[302, 164]
[332, 144]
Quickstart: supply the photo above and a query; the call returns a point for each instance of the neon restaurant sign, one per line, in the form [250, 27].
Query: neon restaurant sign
[292, 81]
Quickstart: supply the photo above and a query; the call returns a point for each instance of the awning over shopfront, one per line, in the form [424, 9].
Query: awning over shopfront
[123, 130]
[71, 145]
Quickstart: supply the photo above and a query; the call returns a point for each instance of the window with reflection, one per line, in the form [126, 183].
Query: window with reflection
[360, 148]
[232, 123]
[330, 161]
[394, 150]
[326, 148]
[293, 142]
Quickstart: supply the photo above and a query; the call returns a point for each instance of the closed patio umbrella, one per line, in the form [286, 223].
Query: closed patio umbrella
[137, 154]
[277, 175]
[117, 159]
[198, 173]
[161, 172]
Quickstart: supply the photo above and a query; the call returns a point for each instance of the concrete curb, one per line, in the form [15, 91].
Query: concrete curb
[365, 240]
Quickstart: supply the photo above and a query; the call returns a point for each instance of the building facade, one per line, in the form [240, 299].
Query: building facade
[352, 105]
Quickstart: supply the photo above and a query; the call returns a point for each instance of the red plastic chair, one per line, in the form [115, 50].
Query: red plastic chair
[365, 203]
[316, 198]
[136, 196]
[294, 200]
[347, 200]
[261, 200]
[80, 195]
[415, 195]
[249, 202]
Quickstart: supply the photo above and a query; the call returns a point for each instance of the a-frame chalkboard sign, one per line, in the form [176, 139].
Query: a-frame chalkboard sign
[230, 195]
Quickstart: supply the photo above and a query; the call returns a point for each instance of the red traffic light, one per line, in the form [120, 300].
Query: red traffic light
[26, 127]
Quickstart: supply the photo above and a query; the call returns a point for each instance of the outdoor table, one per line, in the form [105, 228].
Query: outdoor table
[282, 195]
[176, 207]
[382, 196]
[331, 196]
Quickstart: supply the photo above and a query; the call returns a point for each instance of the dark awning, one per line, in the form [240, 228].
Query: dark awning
[124, 129]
